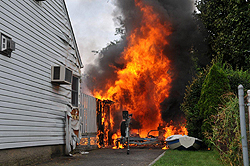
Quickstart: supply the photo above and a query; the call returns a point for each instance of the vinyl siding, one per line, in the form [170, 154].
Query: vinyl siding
[31, 107]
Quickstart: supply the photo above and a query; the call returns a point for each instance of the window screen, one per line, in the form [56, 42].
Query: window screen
[68, 75]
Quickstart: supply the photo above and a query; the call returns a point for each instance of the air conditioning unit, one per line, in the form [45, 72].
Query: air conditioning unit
[61, 75]
[7, 45]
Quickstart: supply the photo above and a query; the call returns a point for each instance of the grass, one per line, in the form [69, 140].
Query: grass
[189, 158]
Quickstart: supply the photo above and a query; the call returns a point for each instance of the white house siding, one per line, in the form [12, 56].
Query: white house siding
[31, 108]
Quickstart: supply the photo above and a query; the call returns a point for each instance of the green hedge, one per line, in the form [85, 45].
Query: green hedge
[225, 135]
[214, 86]
[203, 96]
[190, 107]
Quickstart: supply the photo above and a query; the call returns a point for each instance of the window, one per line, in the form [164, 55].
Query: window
[74, 92]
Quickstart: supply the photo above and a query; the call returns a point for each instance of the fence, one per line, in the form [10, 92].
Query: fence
[88, 121]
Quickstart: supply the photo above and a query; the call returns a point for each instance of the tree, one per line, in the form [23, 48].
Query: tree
[228, 29]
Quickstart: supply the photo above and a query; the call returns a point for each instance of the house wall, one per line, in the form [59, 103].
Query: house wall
[29, 155]
[31, 107]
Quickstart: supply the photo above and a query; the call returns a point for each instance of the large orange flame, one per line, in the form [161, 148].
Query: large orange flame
[145, 80]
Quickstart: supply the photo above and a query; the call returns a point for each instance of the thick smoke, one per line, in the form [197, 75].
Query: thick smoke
[184, 42]
[185, 39]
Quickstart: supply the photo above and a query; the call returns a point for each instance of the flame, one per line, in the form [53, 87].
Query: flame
[145, 80]
[165, 148]
[116, 143]
[98, 135]
[83, 141]
[172, 130]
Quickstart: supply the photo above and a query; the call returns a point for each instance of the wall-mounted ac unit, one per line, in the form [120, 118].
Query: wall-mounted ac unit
[61, 75]
[7, 45]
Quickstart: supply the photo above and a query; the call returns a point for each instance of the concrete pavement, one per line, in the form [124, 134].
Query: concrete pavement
[109, 157]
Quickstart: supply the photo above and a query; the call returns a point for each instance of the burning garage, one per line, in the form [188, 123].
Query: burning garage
[146, 71]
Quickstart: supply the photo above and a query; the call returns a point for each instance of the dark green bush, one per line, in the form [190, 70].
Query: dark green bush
[237, 77]
[214, 86]
[189, 105]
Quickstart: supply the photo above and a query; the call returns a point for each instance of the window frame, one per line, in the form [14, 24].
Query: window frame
[75, 91]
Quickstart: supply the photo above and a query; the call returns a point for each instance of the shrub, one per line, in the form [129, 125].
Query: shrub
[214, 86]
[189, 106]
[237, 77]
[225, 135]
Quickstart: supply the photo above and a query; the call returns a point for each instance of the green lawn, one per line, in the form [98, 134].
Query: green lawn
[189, 158]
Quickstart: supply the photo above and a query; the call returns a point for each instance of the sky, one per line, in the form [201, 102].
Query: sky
[93, 25]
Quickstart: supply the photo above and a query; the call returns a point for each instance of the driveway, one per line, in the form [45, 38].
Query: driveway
[109, 157]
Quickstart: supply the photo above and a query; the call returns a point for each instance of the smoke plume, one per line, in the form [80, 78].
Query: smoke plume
[184, 43]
